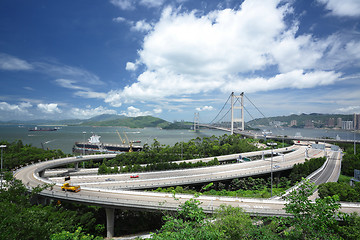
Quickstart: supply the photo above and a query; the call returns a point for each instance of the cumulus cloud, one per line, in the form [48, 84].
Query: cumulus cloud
[130, 66]
[204, 108]
[152, 3]
[135, 112]
[158, 110]
[295, 79]
[138, 26]
[123, 4]
[21, 107]
[90, 112]
[131, 4]
[141, 26]
[119, 19]
[191, 53]
[11, 63]
[49, 108]
[349, 109]
[347, 8]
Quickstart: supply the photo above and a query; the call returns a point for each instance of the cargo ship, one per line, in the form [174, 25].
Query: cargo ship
[94, 145]
[35, 129]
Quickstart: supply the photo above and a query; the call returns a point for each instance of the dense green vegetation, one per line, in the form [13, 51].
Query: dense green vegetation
[20, 219]
[161, 157]
[257, 187]
[17, 154]
[311, 220]
[301, 170]
[342, 188]
[179, 125]
[131, 122]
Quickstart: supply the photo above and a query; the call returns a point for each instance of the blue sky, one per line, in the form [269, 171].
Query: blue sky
[172, 58]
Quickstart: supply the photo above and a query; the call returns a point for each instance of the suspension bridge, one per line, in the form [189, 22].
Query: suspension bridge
[231, 119]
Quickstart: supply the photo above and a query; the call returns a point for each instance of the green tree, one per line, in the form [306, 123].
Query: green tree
[77, 235]
[312, 220]
[189, 223]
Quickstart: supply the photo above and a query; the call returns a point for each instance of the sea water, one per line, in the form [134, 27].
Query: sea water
[66, 136]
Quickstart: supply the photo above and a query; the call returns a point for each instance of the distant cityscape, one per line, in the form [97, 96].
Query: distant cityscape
[336, 123]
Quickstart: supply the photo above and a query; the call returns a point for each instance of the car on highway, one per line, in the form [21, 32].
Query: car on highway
[276, 166]
[109, 179]
[134, 176]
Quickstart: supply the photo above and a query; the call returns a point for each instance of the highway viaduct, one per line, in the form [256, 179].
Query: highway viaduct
[120, 192]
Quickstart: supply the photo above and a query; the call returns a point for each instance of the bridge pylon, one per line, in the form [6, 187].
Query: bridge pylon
[196, 122]
[233, 108]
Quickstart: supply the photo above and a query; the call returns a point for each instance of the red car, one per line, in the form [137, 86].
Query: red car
[134, 176]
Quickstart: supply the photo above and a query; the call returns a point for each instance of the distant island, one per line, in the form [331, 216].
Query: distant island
[312, 120]
[108, 120]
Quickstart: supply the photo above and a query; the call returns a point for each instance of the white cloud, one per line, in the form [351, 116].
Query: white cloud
[90, 94]
[295, 79]
[67, 83]
[205, 108]
[135, 112]
[12, 63]
[49, 107]
[65, 71]
[349, 109]
[123, 4]
[141, 26]
[83, 91]
[130, 4]
[119, 19]
[152, 3]
[130, 66]
[22, 107]
[90, 112]
[158, 110]
[189, 53]
[349, 8]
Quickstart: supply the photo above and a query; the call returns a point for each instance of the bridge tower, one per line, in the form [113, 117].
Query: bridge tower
[196, 122]
[233, 108]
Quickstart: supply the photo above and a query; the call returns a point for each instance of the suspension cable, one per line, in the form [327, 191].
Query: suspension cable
[221, 110]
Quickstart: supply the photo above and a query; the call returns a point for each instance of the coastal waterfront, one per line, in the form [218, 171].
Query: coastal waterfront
[66, 136]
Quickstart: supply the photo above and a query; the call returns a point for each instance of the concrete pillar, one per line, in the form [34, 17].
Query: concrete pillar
[77, 166]
[110, 213]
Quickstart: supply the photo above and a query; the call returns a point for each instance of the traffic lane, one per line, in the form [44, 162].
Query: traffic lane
[123, 179]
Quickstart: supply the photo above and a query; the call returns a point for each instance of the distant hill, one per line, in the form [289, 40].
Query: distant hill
[131, 122]
[319, 120]
[101, 120]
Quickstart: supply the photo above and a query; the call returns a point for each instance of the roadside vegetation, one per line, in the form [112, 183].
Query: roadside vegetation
[254, 187]
[342, 188]
[17, 154]
[23, 217]
[311, 220]
[159, 157]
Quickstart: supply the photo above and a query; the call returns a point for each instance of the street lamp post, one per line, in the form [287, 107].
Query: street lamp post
[272, 144]
[354, 143]
[2, 146]
[84, 148]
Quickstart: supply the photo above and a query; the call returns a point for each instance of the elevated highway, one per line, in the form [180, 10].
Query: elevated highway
[120, 194]
[252, 134]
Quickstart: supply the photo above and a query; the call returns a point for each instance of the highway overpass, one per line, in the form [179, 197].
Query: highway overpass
[120, 193]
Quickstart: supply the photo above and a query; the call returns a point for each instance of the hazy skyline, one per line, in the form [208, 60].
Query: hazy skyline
[171, 58]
